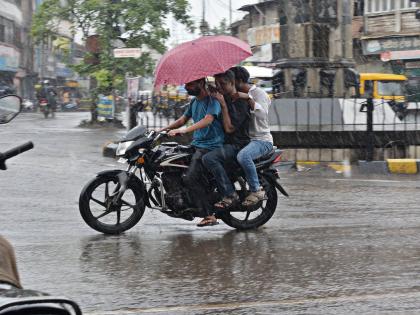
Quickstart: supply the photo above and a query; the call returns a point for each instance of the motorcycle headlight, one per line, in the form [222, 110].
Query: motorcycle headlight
[122, 147]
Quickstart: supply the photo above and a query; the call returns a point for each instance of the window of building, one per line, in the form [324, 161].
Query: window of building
[18, 37]
[358, 8]
[378, 6]
[8, 30]
[407, 4]
[321, 39]
[2, 33]
[392, 5]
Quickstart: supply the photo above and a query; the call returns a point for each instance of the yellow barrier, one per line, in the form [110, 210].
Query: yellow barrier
[402, 166]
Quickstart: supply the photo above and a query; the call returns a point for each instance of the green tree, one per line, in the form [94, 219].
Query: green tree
[133, 22]
[222, 29]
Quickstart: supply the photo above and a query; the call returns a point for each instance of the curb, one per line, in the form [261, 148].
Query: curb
[390, 166]
[338, 167]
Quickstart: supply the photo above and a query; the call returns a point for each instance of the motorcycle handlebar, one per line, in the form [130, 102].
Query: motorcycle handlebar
[18, 150]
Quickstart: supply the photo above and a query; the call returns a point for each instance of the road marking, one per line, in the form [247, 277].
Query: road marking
[241, 305]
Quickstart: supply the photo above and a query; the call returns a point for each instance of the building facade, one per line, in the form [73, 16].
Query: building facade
[16, 54]
[309, 42]
[52, 56]
[24, 65]
[391, 40]
[261, 29]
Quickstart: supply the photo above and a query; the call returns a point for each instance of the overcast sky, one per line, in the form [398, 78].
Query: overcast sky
[216, 10]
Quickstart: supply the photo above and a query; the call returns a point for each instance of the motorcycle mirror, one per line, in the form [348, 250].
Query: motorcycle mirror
[10, 107]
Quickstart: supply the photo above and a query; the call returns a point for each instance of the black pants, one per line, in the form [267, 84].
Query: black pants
[194, 180]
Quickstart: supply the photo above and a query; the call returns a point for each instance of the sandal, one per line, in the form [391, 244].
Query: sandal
[208, 221]
[227, 202]
[253, 198]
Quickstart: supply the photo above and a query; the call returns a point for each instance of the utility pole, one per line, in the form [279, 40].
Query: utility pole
[204, 26]
[230, 13]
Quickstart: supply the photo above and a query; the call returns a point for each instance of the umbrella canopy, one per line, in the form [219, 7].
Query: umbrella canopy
[199, 58]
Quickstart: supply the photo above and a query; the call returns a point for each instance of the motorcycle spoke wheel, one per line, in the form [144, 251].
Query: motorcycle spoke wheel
[101, 209]
[101, 203]
[255, 216]
[108, 213]
[103, 214]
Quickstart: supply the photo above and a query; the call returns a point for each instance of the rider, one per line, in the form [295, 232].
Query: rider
[259, 131]
[207, 136]
[48, 92]
[236, 118]
[9, 276]
[52, 99]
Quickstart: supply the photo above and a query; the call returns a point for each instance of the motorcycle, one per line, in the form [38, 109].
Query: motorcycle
[115, 200]
[46, 108]
[13, 299]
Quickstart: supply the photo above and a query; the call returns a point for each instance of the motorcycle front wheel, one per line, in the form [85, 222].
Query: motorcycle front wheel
[256, 216]
[104, 212]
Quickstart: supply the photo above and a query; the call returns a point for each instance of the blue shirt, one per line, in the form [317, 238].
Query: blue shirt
[212, 136]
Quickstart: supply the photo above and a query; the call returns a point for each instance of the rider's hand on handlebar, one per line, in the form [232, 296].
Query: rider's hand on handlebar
[175, 132]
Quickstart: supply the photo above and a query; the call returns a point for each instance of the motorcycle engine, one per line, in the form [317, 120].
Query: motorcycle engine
[176, 194]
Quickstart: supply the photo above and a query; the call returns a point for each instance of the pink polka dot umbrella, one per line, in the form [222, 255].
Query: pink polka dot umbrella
[199, 58]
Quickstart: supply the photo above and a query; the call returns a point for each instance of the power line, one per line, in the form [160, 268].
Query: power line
[228, 7]
[224, 5]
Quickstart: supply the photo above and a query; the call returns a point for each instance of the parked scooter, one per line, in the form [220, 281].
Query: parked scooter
[14, 300]
[28, 105]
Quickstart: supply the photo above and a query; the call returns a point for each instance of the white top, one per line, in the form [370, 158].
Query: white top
[259, 128]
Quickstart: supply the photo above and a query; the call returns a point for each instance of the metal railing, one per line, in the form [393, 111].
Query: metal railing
[393, 129]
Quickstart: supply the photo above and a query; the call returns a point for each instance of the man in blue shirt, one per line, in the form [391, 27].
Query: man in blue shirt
[207, 135]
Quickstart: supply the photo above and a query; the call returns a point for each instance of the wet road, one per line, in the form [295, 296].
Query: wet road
[337, 246]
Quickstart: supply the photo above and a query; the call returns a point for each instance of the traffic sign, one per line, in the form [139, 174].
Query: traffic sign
[127, 53]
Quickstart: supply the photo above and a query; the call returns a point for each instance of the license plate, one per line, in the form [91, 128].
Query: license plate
[122, 160]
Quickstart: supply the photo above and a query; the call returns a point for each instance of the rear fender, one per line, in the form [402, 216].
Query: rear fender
[271, 176]
[275, 154]
[123, 176]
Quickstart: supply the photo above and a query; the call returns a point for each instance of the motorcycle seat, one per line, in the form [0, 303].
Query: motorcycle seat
[266, 157]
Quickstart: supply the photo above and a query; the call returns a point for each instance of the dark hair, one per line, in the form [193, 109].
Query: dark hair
[227, 76]
[198, 80]
[241, 74]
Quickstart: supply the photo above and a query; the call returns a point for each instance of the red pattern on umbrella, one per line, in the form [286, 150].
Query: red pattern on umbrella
[199, 58]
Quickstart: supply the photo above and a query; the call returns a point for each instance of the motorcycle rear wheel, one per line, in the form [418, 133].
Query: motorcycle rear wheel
[252, 219]
[93, 207]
